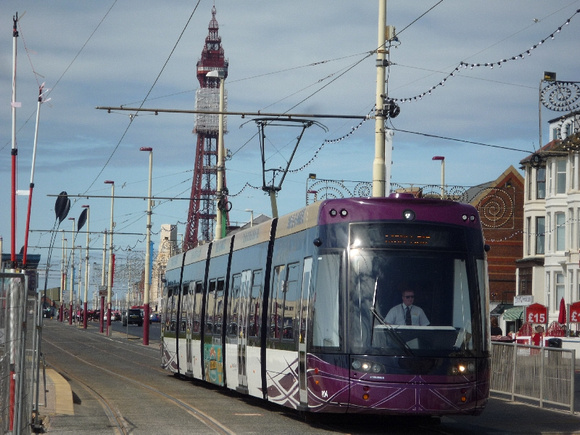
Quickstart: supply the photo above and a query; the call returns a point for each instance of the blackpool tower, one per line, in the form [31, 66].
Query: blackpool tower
[202, 206]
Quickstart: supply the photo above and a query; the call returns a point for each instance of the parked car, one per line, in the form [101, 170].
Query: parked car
[133, 316]
[154, 318]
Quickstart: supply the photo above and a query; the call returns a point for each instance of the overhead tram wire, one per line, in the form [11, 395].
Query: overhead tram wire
[419, 17]
[132, 118]
[36, 74]
[461, 140]
[464, 65]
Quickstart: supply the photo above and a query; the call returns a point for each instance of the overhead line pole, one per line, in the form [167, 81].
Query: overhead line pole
[379, 167]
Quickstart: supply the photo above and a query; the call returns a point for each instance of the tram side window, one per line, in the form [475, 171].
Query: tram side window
[325, 300]
[219, 306]
[210, 307]
[171, 314]
[197, 298]
[234, 306]
[255, 312]
[290, 311]
[185, 309]
[168, 301]
[277, 301]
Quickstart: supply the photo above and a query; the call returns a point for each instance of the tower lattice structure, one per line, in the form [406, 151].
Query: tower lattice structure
[202, 206]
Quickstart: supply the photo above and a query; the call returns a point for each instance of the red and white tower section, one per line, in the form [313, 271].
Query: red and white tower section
[202, 207]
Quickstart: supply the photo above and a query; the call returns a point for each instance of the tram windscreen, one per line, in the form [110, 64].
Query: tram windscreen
[443, 313]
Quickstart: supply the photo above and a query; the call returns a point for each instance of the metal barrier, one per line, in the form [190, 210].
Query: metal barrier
[18, 349]
[543, 374]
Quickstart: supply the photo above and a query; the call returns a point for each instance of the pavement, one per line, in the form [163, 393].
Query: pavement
[56, 400]
[56, 408]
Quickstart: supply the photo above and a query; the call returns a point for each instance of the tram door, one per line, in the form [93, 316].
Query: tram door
[243, 319]
[303, 337]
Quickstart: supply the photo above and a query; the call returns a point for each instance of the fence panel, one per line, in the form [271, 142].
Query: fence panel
[18, 353]
[542, 374]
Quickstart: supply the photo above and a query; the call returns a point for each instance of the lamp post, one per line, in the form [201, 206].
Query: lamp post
[251, 216]
[442, 159]
[147, 283]
[110, 277]
[85, 311]
[72, 272]
[220, 229]
[103, 286]
[63, 270]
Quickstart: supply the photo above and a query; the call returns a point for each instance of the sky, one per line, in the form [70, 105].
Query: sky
[301, 57]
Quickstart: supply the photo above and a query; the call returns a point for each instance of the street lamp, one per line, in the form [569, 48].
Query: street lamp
[72, 273]
[63, 271]
[251, 216]
[103, 286]
[85, 312]
[110, 277]
[442, 159]
[220, 229]
[147, 284]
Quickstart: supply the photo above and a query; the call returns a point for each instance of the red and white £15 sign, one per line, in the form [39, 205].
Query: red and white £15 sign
[575, 312]
[537, 313]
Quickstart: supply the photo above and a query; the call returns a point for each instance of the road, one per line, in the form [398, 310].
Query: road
[119, 387]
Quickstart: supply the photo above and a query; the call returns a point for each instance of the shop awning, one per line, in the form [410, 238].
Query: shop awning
[514, 313]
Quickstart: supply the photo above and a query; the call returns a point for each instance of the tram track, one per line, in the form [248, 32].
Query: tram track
[116, 418]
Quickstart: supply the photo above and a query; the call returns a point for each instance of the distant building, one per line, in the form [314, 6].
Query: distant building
[500, 205]
[167, 248]
[549, 268]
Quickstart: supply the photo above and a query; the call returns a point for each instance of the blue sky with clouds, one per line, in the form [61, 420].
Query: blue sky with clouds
[113, 53]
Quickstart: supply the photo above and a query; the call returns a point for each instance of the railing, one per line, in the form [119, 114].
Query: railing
[542, 374]
[18, 351]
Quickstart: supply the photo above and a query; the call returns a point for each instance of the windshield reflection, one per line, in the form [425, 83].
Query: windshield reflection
[409, 303]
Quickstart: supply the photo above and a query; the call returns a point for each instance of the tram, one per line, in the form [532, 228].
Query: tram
[294, 310]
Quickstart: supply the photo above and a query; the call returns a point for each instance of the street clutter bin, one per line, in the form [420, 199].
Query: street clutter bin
[555, 342]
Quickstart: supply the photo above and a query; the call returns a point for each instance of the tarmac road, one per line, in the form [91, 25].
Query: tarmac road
[117, 386]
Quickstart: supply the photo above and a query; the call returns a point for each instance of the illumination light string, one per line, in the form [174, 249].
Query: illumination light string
[548, 232]
[465, 65]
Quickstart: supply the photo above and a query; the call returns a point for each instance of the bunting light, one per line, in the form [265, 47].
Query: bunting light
[491, 65]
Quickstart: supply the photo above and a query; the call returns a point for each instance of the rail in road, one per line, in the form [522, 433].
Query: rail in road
[119, 387]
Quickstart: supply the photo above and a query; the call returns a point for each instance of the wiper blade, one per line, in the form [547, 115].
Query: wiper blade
[392, 333]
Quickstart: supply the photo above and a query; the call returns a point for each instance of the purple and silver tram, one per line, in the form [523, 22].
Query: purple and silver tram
[293, 310]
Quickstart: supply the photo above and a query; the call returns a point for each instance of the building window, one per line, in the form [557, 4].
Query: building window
[560, 176]
[560, 232]
[525, 276]
[548, 289]
[528, 230]
[540, 234]
[529, 174]
[560, 288]
[573, 178]
[541, 183]
[571, 232]
[577, 286]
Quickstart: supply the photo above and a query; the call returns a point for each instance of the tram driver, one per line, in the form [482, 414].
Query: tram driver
[406, 313]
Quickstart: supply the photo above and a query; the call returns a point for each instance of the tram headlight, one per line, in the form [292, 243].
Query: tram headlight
[377, 368]
[463, 368]
[367, 366]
